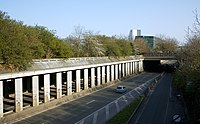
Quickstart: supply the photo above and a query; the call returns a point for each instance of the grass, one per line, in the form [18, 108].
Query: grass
[123, 116]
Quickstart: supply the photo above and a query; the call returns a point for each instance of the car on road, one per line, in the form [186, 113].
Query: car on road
[120, 89]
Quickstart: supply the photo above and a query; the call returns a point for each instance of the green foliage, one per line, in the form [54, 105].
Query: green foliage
[125, 47]
[110, 46]
[187, 75]
[179, 81]
[123, 116]
[61, 49]
[116, 46]
[19, 44]
[15, 53]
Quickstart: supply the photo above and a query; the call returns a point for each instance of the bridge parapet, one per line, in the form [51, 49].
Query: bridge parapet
[160, 56]
[43, 64]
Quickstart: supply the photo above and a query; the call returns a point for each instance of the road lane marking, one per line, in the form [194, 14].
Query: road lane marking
[90, 102]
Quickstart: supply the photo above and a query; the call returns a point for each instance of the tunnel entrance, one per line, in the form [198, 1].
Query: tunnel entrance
[157, 66]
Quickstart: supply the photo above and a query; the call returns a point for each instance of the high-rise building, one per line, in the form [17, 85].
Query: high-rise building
[133, 33]
[150, 40]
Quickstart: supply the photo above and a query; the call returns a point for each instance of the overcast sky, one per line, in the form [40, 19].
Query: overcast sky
[109, 17]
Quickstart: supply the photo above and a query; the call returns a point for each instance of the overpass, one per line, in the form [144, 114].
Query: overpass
[160, 56]
[48, 82]
[160, 62]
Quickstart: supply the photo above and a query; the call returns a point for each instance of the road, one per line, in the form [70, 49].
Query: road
[95, 108]
[156, 108]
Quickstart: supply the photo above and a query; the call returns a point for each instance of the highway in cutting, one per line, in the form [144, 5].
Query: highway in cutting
[93, 108]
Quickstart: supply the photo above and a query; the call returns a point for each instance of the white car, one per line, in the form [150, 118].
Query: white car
[120, 89]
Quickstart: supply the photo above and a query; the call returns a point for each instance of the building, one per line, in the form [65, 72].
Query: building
[151, 40]
[133, 33]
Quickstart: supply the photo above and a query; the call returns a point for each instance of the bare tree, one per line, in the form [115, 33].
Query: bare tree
[76, 40]
[140, 46]
[166, 45]
[189, 70]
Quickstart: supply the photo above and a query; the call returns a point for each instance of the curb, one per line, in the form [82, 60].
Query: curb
[137, 108]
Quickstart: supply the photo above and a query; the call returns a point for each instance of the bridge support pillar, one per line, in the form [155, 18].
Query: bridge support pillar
[98, 76]
[58, 85]
[85, 79]
[135, 65]
[78, 79]
[128, 68]
[131, 68]
[141, 65]
[133, 71]
[1, 98]
[46, 88]
[123, 70]
[112, 72]
[18, 95]
[120, 70]
[103, 74]
[92, 77]
[69, 83]
[116, 71]
[107, 73]
[35, 90]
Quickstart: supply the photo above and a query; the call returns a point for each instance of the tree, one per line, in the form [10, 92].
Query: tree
[46, 38]
[75, 41]
[110, 46]
[15, 53]
[166, 45]
[34, 43]
[187, 75]
[19, 44]
[140, 46]
[92, 45]
[125, 47]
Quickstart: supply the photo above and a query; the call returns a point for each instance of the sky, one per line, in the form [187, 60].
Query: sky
[108, 17]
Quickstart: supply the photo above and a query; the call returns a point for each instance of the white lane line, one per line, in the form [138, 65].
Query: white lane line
[107, 112]
[90, 102]
[95, 118]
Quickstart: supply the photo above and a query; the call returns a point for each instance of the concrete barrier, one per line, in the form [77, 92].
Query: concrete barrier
[51, 104]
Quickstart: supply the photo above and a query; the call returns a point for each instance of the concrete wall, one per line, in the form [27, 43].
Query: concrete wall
[51, 82]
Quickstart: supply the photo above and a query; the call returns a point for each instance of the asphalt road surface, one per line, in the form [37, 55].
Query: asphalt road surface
[156, 108]
[103, 104]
